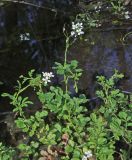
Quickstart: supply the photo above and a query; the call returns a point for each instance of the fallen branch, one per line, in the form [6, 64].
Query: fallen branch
[33, 5]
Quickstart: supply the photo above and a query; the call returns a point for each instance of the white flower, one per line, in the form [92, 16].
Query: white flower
[72, 33]
[64, 29]
[95, 7]
[127, 12]
[100, 7]
[84, 158]
[25, 37]
[127, 16]
[46, 77]
[87, 155]
[77, 29]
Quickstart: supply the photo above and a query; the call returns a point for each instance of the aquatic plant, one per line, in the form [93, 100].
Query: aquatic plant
[64, 128]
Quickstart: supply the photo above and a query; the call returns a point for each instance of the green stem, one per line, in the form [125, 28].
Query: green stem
[22, 90]
[65, 62]
[16, 98]
[66, 86]
[66, 49]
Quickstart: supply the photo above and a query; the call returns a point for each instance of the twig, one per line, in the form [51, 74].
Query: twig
[108, 29]
[33, 5]
[5, 113]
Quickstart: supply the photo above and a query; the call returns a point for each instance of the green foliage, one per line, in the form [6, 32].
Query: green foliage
[18, 102]
[70, 71]
[111, 96]
[64, 124]
[6, 153]
[30, 125]
[99, 140]
[60, 114]
[94, 15]
[115, 110]
[64, 116]
[117, 6]
[27, 150]
[16, 99]
[89, 20]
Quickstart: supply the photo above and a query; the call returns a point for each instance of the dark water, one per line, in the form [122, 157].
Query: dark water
[16, 56]
[100, 52]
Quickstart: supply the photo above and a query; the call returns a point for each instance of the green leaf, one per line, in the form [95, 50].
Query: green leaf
[129, 124]
[20, 123]
[58, 127]
[7, 95]
[22, 146]
[71, 143]
[34, 144]
[74, 63]
[93, 117]
[123, 115]
[76, 154]
[68, 149]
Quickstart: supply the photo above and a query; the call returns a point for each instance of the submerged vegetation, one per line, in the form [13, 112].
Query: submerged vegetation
[64, 127]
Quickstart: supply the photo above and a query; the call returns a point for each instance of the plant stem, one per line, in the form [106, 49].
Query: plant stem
[65, 62]
[66, 49]
[22, 90]
[66, 82]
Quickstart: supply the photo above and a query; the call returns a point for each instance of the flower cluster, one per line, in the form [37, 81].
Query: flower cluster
[87, 155]
[126, 14]
[77, 29]
[25, 37]
[46, 77]
[98, 7]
